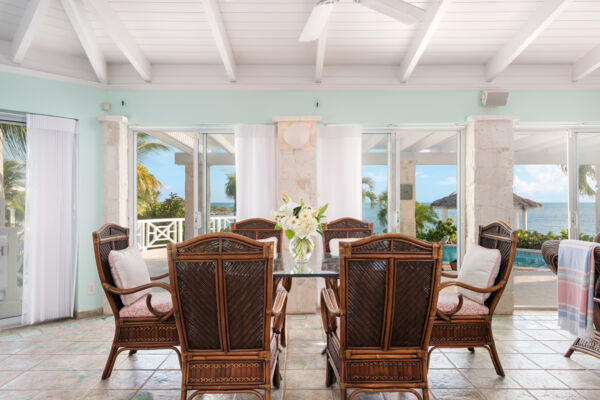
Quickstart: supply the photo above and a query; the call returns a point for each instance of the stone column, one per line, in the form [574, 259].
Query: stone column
[187, 160]
[489, 163]
[597, 196]
[296, 176]
[115, 168]
[408, 223]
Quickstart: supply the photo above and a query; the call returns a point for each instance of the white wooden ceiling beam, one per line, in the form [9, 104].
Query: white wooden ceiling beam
[30, 22]
[535, 25]
[217, 27]
[221, 140]
[115, 29]
[321, 48]
[86, 38]
[587, 64]
[423, 35]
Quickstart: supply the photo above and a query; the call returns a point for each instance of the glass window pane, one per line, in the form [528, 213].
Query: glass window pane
[221, 181]
[375, 180]
[588, 207]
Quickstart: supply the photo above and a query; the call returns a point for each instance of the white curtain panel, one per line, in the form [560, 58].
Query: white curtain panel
[50, 257]
[255, 171]
[339, 170]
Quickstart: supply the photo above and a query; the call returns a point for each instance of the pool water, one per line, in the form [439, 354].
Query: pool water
[524, 258]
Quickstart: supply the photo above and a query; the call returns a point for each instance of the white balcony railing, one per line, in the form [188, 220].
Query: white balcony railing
[156, 233]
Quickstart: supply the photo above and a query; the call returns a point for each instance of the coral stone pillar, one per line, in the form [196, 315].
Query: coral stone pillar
[408, 223]
[115, 168]
[296, 176]
[489, 163]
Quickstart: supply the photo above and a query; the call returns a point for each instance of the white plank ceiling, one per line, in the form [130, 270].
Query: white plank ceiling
[363, 48]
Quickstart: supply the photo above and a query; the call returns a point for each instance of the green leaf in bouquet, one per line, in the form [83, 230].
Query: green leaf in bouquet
[322, 210]
[297, 210]
[289, 234]
[277, 227]
[286, 198]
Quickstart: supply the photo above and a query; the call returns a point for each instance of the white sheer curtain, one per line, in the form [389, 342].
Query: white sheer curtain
[339, 170]
[50, 257]
[255, 171]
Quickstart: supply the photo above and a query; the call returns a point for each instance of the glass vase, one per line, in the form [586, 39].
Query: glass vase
[301, 248]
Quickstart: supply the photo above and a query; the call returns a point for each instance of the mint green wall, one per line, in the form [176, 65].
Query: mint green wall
[178, 108]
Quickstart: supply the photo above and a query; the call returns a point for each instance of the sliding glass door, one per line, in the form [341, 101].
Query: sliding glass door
[588, 182]
[410, 184]
[185, 186]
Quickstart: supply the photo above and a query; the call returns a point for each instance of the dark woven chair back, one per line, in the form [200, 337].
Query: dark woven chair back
[222, 286]
[109, 237]
[258, 228]
[499, 236]
[344, 228]
[388, 291]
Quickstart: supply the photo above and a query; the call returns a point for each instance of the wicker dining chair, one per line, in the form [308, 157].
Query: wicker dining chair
[344, 228]
[378, 335]
[155, 330]
[258, 228]
[223, 301]
[457, 328]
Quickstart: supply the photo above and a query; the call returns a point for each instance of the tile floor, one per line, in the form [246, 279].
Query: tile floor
[64, 361]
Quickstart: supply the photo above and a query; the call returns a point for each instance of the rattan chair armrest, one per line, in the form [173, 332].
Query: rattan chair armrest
[157, 277]
[331, 302]
[452, 274]
[491, 289]
[116, 290]
[278, 310]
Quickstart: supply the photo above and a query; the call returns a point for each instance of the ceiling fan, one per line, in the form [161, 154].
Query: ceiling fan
[400, 10]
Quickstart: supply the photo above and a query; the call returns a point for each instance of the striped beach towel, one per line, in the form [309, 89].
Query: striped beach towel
[576, 287]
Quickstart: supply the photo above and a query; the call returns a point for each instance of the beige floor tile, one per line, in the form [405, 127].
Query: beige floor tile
[305, 347]
[488, 379]
[165, 395]
[21, 362]
[72, 363]
[164, 380]
[470, 394]
[554, 361]
[556, 395]
[578, 379]
[96, 394]
[307, 395]
[61, 395]
[447, 379]
[305, 361]
[124, 379]
[530, 347]
[513, 394]
[546, 334]
[511, 334]
[53, 380]
[589, 394]
[478, 359]
[516, 361]
[305, 335]
[559, 346]
[17, 394]
[304, 379]
[585, 360]
[141, 361]
[535, 379]
[439, 361]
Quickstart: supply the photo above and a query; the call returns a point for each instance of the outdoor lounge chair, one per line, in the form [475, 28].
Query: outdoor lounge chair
[136, 328]
[378, 333]
[227, 321]
[469, 324]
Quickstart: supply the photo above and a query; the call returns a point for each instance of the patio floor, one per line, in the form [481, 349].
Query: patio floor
[64, 360]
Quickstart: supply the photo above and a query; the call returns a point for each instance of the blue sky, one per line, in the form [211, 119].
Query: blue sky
[542, 183]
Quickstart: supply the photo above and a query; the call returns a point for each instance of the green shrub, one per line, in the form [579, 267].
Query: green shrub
[438, 231]
[535, 239]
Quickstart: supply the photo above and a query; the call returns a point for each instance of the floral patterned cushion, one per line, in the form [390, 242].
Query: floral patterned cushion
[161, 301]
[448, 300]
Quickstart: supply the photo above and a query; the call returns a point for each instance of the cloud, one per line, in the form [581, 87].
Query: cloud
[540, 181]
[450, 180]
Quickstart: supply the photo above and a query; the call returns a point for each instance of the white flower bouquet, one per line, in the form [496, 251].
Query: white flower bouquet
[299, 222]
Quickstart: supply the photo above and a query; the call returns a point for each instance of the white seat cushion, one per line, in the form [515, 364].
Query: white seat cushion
[129, 270]
[334, 245]
[271, 239]
[479, 269]
[448, 300]
[161, 301]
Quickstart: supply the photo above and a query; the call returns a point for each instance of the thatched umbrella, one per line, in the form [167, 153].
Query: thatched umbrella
[519, 203]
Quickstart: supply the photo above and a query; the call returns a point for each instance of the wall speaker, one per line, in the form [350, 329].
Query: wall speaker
[494, 98]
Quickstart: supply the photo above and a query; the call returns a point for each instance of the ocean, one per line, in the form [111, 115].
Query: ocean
[551, 218]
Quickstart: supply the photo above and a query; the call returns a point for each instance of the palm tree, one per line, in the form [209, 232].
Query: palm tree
[424, 214]
[14, 187]
[230, 190]
[14, 141]
[148, 187]
[585, 172]
[368, 190]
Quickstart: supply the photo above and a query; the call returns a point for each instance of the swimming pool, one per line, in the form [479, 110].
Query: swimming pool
[524, 258]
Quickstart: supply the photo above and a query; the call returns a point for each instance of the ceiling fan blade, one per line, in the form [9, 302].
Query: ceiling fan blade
[317, 21]
[397, 9]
